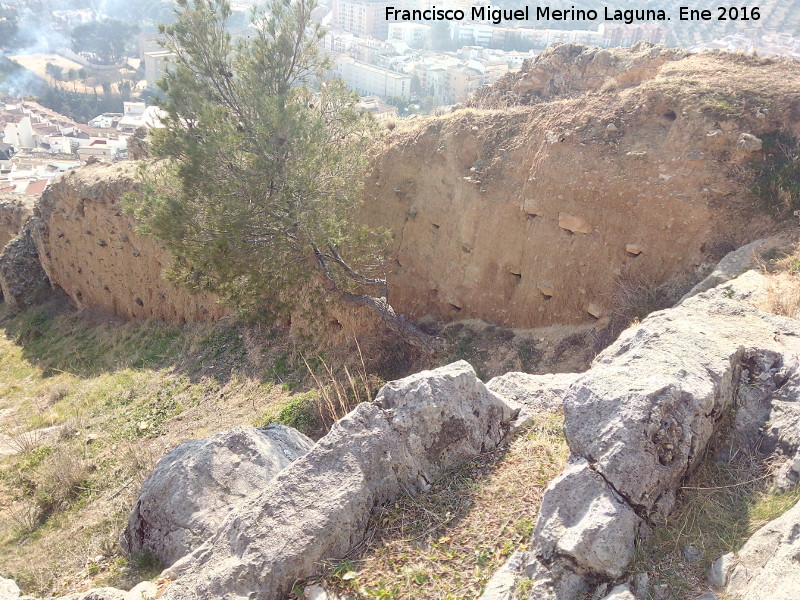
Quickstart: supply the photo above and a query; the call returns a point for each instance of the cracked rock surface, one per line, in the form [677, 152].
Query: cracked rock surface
[639, 421]
[194, 487]
[317, 508]
[770, 560]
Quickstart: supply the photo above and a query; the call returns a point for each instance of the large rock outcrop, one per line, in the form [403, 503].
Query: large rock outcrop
[639, 421]
[317, 508]
[89, 248]
[588, 177]
[768, 561]
[736, 263]
[195, 486]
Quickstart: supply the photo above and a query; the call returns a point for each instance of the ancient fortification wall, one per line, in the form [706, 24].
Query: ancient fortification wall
[590, 176]
[586, 177]
[88, 247]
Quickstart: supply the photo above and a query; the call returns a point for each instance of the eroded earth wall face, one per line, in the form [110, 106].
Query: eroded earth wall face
[89, 248]
[14, 210]
[554, 210]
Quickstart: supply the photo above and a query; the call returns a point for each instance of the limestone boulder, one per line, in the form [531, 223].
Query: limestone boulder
[536, 393]
[196, 485]
[749, 143]
[105, 593]
[8, 589]
[144, 590]
[318, 507]
[640, 420]
[645, 412]
[620, 592]
[503, 584]
[734, 264]
[583, 520]
[782, 430]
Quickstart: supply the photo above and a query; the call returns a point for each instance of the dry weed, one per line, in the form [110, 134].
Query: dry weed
[60, 478]
[25, 517]
[57, 392]
[341, 390]
[447, 542]
[634, 297]
[27, 441]
[782, 268]
[782, 300]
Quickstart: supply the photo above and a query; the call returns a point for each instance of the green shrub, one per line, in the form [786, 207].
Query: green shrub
[301, 411]
[777, 176]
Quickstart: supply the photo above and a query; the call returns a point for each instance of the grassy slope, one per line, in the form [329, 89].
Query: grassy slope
[88, 405]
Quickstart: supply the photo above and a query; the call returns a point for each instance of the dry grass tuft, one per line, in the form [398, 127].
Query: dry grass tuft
[27, 441]
[635, 296]
[782, 267]
[60, 478]
[448, 542]
[340, 390]
[783, 300]
[25, 518]
[719, 508]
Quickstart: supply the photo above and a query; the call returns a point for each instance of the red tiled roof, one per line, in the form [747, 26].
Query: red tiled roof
[45, 129]
[36, 187]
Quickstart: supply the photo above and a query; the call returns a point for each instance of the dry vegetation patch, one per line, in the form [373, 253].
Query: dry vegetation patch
[89, 404]
[448, 542]
[782, 267]
[719, 508]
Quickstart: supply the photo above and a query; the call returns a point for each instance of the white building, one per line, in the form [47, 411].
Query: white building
[369, 80]
[155, 62]
[18, 131]
[379, 109]
[106, 121]
[413, 34]
[39, 144]
[138, 114]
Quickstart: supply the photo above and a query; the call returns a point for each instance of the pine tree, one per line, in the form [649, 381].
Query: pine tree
[258, 189]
